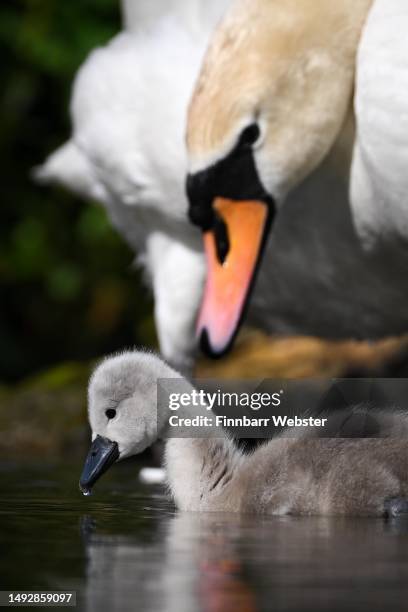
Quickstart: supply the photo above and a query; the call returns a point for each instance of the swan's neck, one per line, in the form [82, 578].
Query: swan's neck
[199, 472]
[199, 468]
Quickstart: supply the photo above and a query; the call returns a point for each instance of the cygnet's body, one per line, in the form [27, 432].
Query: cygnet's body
[289, 476]
[300, 475]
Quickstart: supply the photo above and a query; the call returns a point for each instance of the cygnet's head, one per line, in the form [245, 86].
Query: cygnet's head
[122, 410]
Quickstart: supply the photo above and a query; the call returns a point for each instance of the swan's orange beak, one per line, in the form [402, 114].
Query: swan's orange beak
[229, 282]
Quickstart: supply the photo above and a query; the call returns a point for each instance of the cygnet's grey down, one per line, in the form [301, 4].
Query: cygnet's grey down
[300, 475]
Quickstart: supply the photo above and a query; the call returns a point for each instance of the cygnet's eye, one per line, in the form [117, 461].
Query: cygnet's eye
[250, 135]
[110, 413]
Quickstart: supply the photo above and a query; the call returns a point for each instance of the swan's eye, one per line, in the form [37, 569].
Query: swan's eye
[110, 413]
[250, 135]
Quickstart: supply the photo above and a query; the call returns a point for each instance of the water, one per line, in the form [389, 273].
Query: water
[126, 548]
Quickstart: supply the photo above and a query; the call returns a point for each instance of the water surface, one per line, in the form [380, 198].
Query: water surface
[126, 548]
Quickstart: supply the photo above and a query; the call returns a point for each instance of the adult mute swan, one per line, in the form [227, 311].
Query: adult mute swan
[269, 107]
[303, 475]
[127, 151]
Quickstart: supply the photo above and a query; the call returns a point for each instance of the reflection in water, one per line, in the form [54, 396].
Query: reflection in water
[126, 548]
[192, 565]
[228, 563]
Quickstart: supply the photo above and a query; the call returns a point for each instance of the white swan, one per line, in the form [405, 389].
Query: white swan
[301, 475]
[269, 107]
[127, 151]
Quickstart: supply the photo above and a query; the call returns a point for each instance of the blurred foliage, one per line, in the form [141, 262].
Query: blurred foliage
[67, 290]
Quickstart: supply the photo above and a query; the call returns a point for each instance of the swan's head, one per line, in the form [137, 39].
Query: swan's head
[122, 410]
[268, 105]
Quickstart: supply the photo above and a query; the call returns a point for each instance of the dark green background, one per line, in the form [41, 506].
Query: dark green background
[67, 288]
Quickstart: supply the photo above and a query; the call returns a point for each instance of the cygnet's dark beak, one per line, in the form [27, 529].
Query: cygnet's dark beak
[102, 454]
